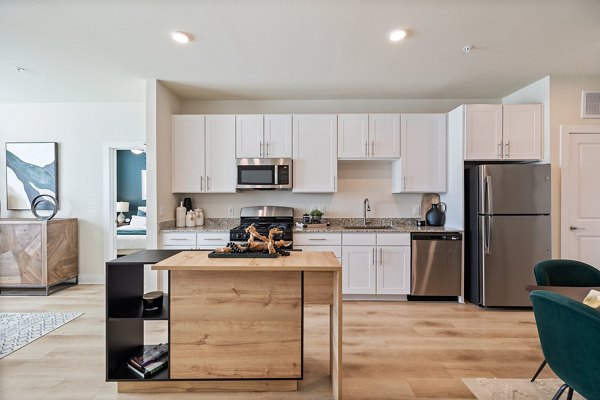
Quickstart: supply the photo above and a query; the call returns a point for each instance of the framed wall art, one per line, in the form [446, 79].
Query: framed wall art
[31, 170]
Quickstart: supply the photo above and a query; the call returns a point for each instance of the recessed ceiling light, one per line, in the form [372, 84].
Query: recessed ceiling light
[19, 69]
[181, 37]
[397, 35]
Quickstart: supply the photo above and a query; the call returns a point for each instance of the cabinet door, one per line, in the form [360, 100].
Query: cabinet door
[423, 161]
[278, 136]
[358, 270]
[315, 153]
[249, 136]
[188, 170]
[522, 132]
[353, 135]
[384, 135]
[393, 270]
[483, 132]
[220, 154]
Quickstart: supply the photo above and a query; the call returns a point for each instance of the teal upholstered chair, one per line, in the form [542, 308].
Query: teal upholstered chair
[569, 332]
[564, 273]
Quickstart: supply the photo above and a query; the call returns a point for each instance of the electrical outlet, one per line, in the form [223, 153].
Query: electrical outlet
[230, 211]
[161, 211]
[416, 210]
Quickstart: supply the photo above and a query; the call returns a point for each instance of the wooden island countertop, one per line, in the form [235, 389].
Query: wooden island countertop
[296, 261]
[237, 323]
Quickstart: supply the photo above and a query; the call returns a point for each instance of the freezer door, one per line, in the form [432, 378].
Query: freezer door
[514, 189]
[510, 246]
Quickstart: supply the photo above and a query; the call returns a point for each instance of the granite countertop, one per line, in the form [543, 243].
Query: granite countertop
[337, 226]
[396, 229]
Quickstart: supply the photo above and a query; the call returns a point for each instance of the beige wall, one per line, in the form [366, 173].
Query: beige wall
[80, 130]
[565, 103]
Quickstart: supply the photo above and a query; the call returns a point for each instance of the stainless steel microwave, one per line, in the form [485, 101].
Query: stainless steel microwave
[264, 173]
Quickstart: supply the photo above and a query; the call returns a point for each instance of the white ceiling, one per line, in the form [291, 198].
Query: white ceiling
[103, 50]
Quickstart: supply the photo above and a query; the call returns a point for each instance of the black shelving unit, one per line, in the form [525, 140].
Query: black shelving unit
[125, 314]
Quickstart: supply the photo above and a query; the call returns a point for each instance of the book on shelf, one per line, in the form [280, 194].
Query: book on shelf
[150, 355]
[150, 369]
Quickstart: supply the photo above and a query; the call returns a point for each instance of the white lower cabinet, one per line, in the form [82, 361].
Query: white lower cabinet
[376, 263]
[193, 241]
[319, 242]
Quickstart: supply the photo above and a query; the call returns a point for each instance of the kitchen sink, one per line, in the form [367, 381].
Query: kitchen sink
[368, 227]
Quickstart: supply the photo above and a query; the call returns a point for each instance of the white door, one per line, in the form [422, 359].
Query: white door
[278, 136]
[249, 136]
[580, 191]
[315, 153]
[358, 270]
[423, 161]
[187, 167]
[393, 270]
[384, 135]
[220, 154]
[483, 132]
[353, 135]
[522, 132]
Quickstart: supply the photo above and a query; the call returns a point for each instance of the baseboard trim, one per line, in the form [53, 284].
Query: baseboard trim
[375, 297]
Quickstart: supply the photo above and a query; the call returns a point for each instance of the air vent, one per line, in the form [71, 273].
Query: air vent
[590, 104]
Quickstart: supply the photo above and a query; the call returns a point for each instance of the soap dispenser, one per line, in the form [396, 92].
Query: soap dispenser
[180, 216]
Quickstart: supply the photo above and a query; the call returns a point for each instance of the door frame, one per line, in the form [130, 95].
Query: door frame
[109, 193]
[565, 131]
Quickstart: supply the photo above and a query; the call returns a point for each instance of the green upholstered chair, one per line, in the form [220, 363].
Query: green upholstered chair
[564, 273]
[569, 332]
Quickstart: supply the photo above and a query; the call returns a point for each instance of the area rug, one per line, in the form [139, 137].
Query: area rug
[19, 329]
[514, 389]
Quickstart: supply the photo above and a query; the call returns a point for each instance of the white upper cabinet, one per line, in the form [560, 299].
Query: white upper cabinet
[509, 132]
[368, 136]
[315, 153]
[522, 132]
[268, 136]
[353, 135]
[249, 136]
[483, 132]
[278, 136]
[188, 155]
[422, 167]
[384, 135]
[220, 154]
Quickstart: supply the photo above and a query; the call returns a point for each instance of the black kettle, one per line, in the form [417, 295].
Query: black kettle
[436, 216]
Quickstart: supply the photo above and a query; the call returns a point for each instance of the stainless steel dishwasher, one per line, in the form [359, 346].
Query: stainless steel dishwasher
[436, 264]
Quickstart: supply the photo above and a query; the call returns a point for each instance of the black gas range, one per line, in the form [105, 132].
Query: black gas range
[264, 218]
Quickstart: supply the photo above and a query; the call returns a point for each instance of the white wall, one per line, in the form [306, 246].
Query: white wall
[161, 104]
[356, 180]
[565, 100]
[326, 106]
[79, 129]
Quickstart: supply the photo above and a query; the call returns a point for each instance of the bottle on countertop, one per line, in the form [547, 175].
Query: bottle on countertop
[180, 216]
[199, 217]
[190, 219]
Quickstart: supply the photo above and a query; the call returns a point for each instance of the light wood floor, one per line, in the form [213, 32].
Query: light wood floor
[392, 350]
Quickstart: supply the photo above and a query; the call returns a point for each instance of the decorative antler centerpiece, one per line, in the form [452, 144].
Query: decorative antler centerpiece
[264, 245]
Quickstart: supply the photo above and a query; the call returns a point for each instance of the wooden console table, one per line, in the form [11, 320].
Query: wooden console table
[38, 257]
[235, 324]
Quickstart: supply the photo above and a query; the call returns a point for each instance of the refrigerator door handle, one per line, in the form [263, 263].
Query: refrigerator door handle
[490, 226]
[488, 195]
[486, 232]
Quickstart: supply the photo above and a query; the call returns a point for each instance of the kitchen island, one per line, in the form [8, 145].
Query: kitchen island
[237, 323]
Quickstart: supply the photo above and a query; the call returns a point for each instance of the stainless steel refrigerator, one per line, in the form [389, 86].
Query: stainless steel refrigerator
[507, 231]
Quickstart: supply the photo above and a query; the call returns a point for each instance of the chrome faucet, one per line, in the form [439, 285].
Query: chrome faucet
[366, 207]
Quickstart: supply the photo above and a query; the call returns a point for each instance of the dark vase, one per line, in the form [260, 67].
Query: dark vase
[187, 203]
[436, 216]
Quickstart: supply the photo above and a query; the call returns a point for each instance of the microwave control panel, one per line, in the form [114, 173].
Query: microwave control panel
[283, 175]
